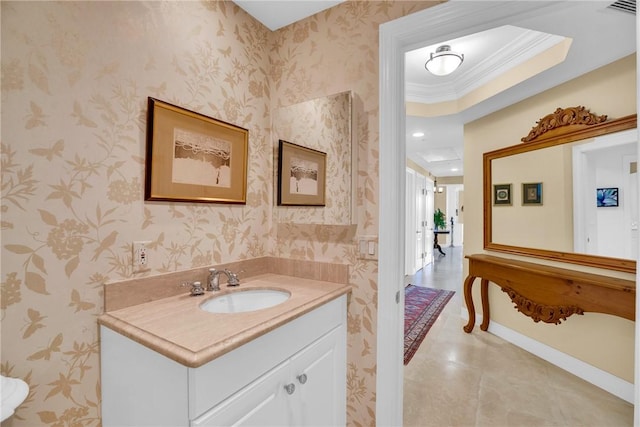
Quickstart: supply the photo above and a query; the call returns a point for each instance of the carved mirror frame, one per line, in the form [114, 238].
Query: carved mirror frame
[563, 126]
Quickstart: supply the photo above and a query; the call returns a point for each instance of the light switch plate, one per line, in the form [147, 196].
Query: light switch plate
[367, 247]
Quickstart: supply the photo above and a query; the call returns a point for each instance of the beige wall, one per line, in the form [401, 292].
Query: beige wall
[446, 180]
[603, 341]
[416, 167]
[440, 201]
[548, 225]
[75, 79]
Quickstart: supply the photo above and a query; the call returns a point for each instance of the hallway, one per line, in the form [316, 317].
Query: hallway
[478, 379]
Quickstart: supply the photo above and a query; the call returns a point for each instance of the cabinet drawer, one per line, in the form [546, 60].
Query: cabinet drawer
[210, 384]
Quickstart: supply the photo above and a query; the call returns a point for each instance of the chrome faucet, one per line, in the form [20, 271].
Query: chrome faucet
[213, 282]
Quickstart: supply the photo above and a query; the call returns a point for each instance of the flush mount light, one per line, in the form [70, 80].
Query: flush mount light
[417, 134]
[443, 61]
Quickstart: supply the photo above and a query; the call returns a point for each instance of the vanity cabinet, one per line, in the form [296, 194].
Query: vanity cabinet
[298, 392]
[294, 375]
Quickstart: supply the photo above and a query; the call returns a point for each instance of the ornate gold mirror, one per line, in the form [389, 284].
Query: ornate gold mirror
[567, 193]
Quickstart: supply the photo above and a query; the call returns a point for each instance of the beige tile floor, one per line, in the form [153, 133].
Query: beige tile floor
[478, 379]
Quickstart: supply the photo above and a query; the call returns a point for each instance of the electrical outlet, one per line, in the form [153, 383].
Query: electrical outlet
[140, 256]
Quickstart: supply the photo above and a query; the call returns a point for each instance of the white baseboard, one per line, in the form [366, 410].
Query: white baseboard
[606, 381]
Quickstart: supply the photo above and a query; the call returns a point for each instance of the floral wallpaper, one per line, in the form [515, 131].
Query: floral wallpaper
[75, 80]
[323, 124]
[331, 52]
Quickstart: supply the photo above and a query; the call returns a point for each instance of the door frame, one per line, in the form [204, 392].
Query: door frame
[583, 182]
[444, 21]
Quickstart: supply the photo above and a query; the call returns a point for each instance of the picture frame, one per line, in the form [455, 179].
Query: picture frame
[191, 157]
[502, 194]
[532, 193]
[301, 175]
[607, 197]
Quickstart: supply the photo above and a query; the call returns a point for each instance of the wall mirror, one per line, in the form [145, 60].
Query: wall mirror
[567, 193]
[324, 124]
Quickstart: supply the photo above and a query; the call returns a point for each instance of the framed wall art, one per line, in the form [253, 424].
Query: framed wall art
[532, 193]
[194, 158]
[301, 175]
[502, 194]
[607, 197]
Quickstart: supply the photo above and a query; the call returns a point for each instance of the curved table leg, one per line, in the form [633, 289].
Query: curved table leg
[468, 299]
[436, 245]
[484, 294]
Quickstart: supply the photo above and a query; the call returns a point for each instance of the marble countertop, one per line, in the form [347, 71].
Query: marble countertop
[177, 328]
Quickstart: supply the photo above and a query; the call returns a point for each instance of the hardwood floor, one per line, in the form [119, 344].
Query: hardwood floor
[478, 379]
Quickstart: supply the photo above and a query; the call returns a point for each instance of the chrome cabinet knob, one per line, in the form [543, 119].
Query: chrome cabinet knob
[302, 378]
[290, 388]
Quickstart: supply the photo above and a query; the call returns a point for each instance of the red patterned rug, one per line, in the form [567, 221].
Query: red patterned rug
[422, 306]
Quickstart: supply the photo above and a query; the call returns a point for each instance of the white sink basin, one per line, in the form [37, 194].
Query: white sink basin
[242, 301]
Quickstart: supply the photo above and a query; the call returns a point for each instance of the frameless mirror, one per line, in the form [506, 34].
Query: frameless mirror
[322, 124]
[569, 194]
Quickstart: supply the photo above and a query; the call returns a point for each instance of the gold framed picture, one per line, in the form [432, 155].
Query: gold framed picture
[502, 194]
[194, 158]
[301, 175]
[532, 193]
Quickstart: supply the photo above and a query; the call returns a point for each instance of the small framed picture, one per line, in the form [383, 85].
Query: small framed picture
[194, 158]
[532, 193]
[607, 197]
[301, 175]
[502, 194]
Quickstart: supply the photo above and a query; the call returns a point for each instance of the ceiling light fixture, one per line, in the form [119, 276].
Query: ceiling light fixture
[443, 61]
[418, 134]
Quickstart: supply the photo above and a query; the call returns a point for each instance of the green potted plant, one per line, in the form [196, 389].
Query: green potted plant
[439, 220]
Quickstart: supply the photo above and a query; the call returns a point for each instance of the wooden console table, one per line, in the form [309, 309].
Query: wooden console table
[545, 293]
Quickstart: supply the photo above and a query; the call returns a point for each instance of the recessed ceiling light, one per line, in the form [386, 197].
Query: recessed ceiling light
[418, 134]
[454, 169]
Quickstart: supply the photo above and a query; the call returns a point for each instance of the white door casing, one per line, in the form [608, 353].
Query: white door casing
[591, 236]
[430, 26]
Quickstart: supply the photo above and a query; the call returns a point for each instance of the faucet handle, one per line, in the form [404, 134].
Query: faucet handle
[196, 288]
[233, 278]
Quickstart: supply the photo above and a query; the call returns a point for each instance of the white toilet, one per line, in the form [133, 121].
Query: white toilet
[13, 391]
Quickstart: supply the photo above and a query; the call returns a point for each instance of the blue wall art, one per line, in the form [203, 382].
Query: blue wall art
[607, 197]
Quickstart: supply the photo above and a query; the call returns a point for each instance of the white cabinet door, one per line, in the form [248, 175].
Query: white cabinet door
[319, 373]
[264, 402]
[315, 379]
